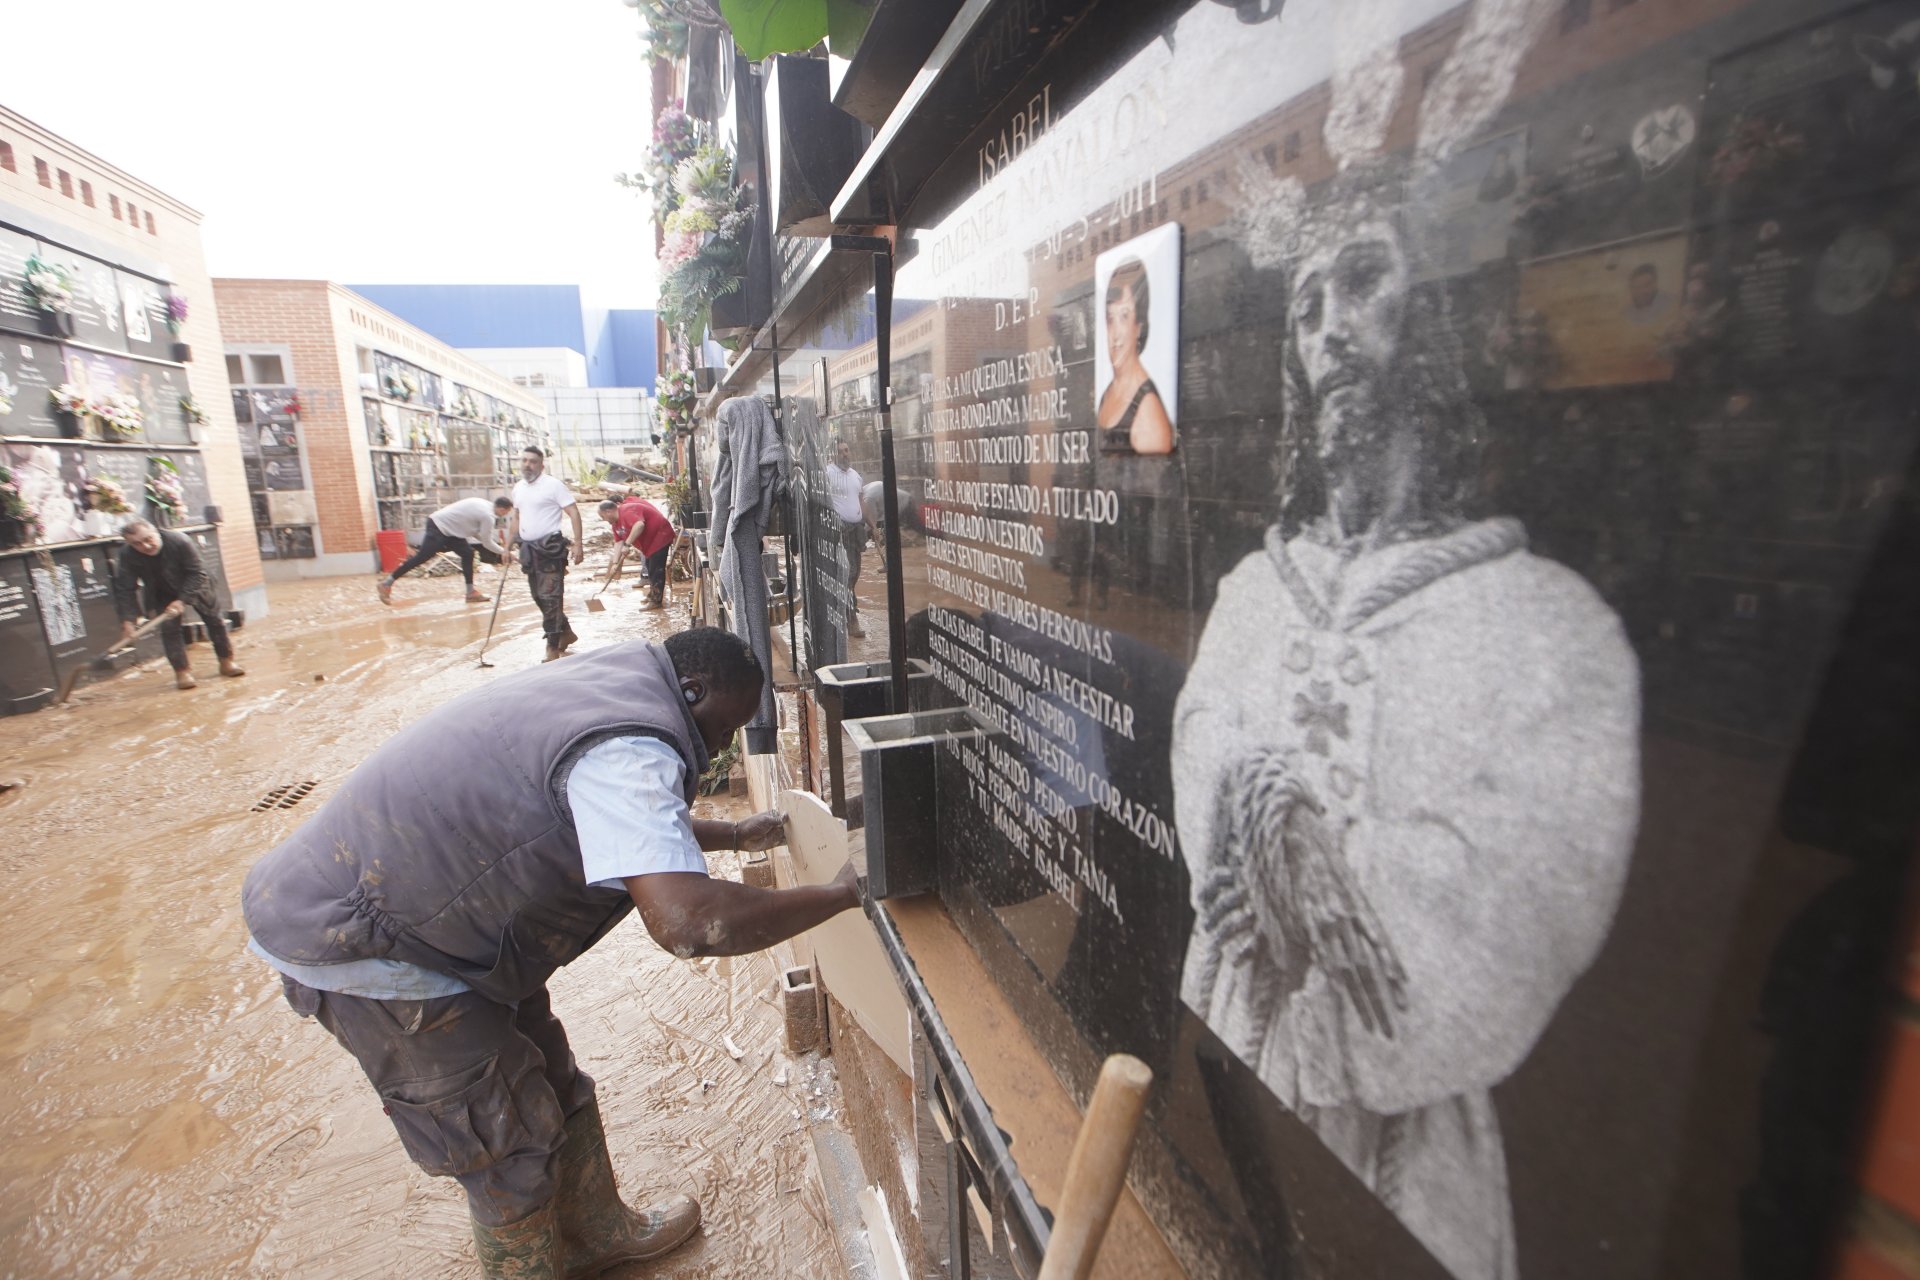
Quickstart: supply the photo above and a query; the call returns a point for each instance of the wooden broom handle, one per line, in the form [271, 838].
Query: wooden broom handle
[1097, 1170]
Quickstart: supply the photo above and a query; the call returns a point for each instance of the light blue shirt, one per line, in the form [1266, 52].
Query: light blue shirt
[625, 796]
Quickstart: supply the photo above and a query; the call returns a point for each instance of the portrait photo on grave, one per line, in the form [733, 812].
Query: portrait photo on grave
[1405, 759]
[1137, 343]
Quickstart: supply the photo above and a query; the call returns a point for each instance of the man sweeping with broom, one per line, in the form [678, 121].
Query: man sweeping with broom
[422, 911]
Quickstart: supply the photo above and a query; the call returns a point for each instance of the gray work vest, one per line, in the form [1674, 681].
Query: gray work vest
[452, 846]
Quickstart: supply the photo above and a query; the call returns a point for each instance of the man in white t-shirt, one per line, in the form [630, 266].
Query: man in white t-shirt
[461, 527]
[539, 501]
[843, 490]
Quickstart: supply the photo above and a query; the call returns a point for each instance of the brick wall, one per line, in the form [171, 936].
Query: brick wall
[297, 315]
[130, 215]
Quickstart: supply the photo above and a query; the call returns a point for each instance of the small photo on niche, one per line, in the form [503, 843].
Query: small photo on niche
[1136, 373]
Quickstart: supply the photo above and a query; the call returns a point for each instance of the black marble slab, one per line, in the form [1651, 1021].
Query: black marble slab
[1442, 720]
[27, 678]
[870, 71]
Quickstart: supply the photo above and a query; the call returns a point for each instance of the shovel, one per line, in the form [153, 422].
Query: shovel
[594, 603]
[104, 660]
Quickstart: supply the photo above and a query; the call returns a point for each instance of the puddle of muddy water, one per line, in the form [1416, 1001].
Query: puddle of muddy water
[168, 1116]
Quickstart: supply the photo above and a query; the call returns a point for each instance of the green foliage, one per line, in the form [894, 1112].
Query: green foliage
[714, 780]
[705, 245]
[765, 27]
[679, 495]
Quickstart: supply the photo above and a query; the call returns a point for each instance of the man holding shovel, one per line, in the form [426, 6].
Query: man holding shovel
[422, 911]
[159, 573]
[539, 500]
[640, 526]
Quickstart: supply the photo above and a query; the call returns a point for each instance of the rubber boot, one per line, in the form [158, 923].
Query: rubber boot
[525, 1250]
[228, 667]
[597, 1230]
[183, 679]
[567, 639]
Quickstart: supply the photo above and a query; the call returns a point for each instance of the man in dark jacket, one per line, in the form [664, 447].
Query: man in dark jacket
[420, 913]
[160, 572]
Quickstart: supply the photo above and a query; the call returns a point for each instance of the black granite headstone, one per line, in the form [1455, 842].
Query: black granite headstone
[16, 311]
[29, 371]
[26, 668]
[1421, 523]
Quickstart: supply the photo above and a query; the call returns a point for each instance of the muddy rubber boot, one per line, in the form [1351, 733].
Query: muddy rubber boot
[183, 679]
[385, 588]
[228, 667]
[525, 1250]
[597, 1230]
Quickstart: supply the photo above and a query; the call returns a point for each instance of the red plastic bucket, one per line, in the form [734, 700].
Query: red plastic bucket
[393, 548]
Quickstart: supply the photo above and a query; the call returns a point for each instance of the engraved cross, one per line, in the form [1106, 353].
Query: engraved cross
[1320, 715]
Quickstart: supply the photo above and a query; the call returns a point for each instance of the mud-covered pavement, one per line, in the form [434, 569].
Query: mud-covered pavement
[165, 1114]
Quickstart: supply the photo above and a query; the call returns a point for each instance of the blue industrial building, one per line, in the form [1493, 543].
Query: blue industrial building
[618, 345]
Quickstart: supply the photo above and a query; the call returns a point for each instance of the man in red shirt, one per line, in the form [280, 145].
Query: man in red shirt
[640, 526]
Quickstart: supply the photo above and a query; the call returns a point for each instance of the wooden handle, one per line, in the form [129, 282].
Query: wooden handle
[1097, 1170]
[138, 632]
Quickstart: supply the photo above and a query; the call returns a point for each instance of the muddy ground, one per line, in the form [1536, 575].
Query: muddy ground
[164, 1114]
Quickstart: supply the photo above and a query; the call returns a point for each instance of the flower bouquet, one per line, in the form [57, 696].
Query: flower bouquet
[8, 390]
[195, 414]
[176, 321]
[74, 407]
[163, 489]
[49, 286]
[105, 495]
[19, 522]
[120, 413]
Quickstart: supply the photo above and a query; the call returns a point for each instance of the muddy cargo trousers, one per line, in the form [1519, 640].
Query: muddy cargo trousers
[478, 1091]
[546, 564]
[173, 632]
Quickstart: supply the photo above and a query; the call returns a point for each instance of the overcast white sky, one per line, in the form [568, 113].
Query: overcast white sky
[370, 141]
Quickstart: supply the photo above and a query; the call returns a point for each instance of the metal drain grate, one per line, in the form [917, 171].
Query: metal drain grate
[284, 797]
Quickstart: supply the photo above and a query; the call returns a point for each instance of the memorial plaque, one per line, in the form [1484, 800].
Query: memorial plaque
[1423, 527]
[1613, 160]
[97, 316]
[143, 308]
[192, 468]
[75, 597]
[16, 311]
[157, 387]
[292, 542]
[126, 468]
[26, 668]
[51, 477]
[29, 371]
[1812, 114]
[207, 542]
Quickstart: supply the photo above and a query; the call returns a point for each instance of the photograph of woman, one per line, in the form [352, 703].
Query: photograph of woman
[1135, 409]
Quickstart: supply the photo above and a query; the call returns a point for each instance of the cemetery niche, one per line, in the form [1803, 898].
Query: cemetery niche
[1406, 515]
